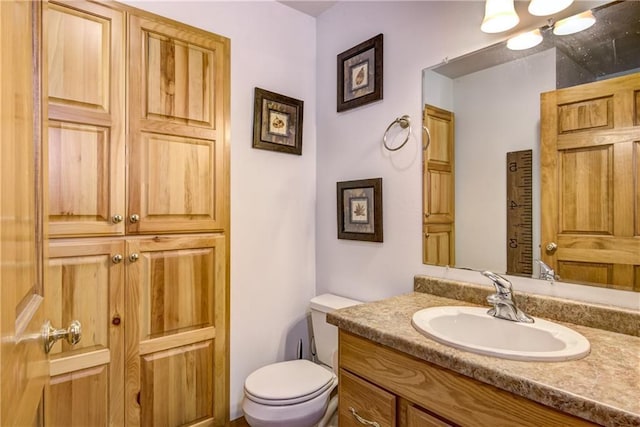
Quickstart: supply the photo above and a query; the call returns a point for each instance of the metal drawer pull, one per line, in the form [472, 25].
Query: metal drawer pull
[362, 420]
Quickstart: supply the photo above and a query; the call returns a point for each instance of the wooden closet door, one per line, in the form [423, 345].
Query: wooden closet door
[178, 93]
[176, 338]
[590, 154]
[85, 85]
[438, 188]
[85, 281]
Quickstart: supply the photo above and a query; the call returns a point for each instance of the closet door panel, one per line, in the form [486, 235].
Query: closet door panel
[79, 398]
[177, 91]
[175, 333]
[176, 184]
[177, 385]
[176, 82]
[85, 85]
[85, 283]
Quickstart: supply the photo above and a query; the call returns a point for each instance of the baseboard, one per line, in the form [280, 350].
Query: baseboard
[239, 422]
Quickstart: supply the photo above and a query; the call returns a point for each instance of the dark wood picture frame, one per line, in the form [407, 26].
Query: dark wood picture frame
[360, 210]
[277, 122]
[360, 74]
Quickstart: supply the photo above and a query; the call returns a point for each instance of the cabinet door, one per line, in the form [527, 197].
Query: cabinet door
[84, 282]
[85, 86]
[179, 101]
[175, 330]
[361, 402]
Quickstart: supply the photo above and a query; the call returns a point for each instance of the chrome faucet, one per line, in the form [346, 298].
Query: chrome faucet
[504, 305]
[546, 272]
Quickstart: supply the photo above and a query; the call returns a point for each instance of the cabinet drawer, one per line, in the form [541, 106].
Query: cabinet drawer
[419, 418]
[361, 402]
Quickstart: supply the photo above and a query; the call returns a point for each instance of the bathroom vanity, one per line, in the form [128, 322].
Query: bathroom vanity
[392, 375]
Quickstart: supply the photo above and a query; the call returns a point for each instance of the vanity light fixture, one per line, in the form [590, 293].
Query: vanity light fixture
[574, 24]
[548, 7]
[499, 15]
[525, 40]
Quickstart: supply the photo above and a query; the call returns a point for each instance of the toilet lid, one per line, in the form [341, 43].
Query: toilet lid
[288, 382]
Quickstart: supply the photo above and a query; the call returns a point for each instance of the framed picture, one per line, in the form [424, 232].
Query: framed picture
[277, 122]
[360, 210]
[360, 74]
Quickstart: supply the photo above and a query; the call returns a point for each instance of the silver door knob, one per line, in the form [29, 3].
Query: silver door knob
[117, 259]
[551, 247]
[51, 335]
[134, 257]
[134, 218]
[117, 218]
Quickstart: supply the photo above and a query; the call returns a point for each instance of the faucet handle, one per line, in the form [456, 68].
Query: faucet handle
[503, 286]
[546, 272]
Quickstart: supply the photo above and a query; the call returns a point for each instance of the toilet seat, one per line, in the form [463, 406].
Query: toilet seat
[288, 383]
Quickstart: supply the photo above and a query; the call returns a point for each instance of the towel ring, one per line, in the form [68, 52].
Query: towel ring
[404, 122]
[426, 145]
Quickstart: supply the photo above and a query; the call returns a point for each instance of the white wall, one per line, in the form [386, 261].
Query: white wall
[272, 194]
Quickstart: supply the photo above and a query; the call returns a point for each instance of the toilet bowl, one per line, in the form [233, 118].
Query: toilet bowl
[297, 393]
[288, 394]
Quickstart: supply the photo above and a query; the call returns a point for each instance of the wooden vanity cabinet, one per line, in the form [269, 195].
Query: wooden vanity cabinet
[423, 394]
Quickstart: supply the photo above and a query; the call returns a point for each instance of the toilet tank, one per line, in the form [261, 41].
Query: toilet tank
[326, 335]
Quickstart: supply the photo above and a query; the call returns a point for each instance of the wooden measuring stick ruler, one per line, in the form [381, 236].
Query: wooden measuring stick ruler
[519, 213]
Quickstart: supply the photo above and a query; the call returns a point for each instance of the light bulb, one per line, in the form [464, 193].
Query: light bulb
[499, 15]
[525, 40]
[574, 24]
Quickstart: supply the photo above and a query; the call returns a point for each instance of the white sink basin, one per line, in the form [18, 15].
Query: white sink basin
[472, 329]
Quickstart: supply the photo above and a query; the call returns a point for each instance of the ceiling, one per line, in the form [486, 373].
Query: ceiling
[313, 8]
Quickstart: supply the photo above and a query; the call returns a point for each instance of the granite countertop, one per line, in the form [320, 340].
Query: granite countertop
[603, 387]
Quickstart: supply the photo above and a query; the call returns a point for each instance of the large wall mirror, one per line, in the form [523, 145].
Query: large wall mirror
[483, 113]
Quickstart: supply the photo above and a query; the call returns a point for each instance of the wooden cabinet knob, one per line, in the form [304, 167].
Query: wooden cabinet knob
[116, 320]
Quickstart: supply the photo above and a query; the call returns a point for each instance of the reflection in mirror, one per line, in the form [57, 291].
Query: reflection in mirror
[494, 97]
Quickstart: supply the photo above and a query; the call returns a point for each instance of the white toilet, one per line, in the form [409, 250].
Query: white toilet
[297, 393]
